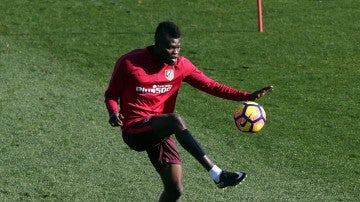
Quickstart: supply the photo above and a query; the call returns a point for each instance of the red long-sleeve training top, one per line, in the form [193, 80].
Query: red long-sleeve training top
[144, 87]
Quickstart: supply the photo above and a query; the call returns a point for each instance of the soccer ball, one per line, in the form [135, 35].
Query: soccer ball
[250, 117]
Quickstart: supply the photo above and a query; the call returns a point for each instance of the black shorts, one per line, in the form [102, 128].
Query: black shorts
[141, 137]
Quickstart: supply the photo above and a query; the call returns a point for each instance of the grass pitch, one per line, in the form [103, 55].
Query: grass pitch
[56, 58]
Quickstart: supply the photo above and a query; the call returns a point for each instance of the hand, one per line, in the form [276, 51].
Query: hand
[259, 93]
[115, 119]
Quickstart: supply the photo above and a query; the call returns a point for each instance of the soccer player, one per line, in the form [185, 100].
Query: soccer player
[145, 83]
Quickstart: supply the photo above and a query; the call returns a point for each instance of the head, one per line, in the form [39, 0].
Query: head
[168, 42]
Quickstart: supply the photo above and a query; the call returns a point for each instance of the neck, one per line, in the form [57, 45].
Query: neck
[153, 50]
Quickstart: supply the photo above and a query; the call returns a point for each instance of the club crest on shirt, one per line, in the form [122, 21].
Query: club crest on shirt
[169, 74]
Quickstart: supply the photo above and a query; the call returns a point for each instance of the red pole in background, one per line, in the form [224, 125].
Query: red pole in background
[260, 16]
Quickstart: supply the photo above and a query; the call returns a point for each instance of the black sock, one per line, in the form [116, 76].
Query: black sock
[188, 142]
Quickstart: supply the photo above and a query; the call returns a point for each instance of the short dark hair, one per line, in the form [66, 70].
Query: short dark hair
[167, 29]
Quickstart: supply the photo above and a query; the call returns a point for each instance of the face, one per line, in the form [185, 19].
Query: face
[169, 49]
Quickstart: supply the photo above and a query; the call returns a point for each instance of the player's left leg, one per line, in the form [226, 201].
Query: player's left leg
[173, 123]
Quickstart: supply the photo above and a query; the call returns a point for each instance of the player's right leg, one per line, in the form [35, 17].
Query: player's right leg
[163, 154]
[171, 176]
[166, 159]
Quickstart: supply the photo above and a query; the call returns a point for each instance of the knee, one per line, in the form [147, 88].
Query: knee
[175, 191]
[176, 121]
[179, 190]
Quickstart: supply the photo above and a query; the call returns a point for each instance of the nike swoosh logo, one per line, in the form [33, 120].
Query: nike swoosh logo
[242, 124]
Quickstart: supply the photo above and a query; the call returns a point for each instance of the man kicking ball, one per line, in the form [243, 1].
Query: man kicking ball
[144, 85]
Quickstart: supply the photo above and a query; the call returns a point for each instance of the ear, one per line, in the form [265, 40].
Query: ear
[157, 41]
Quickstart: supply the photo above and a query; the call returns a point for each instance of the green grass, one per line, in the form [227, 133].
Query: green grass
[56, 58]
